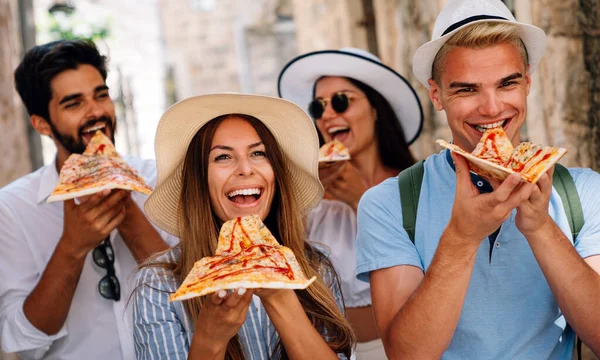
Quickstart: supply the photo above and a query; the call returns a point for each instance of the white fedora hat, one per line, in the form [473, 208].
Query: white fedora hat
[290, 125]
[297, 80]
[460, 13]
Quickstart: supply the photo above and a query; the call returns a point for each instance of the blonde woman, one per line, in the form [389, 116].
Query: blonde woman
[207, 147]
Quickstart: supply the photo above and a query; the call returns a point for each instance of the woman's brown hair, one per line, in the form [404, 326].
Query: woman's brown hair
[199, 230]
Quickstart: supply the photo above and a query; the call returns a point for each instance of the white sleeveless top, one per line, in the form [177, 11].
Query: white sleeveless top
[333, 224]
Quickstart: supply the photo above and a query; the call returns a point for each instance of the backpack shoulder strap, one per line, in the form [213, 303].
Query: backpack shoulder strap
[565, 186]
[409, 182]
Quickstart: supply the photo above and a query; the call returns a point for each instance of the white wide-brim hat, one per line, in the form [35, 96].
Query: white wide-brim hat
[292, 128]
[297, 81]
[460, 13]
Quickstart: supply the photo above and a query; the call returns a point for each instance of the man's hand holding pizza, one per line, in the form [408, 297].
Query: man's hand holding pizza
[533, 215]
[90, 222]
[476, 216]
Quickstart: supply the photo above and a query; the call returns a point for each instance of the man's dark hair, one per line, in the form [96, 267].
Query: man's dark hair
[43, 62]
[393, 147]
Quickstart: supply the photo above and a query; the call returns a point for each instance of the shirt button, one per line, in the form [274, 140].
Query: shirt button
[479, 183]
[497, 244]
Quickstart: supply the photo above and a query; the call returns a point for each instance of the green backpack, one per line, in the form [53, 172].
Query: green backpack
[409, 181]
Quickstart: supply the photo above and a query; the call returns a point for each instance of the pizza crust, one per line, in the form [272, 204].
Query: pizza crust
[527, 159]
[93, 190]
[247, 285]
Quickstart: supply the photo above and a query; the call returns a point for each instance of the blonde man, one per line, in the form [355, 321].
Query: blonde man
[493, 271]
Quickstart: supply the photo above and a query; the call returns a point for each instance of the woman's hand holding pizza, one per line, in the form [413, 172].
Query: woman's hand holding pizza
[533, 214]
[329, 171]
[475, 216]
[220, 318]
[90, 222]
[346, 185]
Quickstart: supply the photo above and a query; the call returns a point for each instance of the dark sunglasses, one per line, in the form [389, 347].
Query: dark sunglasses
[104, 257]
[339, 104]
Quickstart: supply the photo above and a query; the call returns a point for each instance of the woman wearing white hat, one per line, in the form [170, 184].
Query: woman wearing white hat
[376, 114]
[207, 147]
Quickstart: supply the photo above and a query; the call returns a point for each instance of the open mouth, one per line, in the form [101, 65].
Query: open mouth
[91, 130]
[338, 131]
[245, 196]
[482, 128]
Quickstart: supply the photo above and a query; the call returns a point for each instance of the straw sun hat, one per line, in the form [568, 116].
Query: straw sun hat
[292, 128]
[297, 81]
[459, 13]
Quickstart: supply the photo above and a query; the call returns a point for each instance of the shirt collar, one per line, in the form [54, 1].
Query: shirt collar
[480, 183]
[48, 182]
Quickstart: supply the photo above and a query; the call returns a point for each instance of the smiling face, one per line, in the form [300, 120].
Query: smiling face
[482, 88]
[79, 106]
[241, 180]
[355, 127]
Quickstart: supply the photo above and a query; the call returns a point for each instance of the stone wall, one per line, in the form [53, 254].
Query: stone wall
[231, 45]
[329, 24]
[559, 105]
[14, 145]
[402, 26]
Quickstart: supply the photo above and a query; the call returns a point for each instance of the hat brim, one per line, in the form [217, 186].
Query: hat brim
[533, 37]
[297, 79]
[290, 125]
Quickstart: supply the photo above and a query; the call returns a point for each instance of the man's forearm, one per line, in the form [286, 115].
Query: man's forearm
[424, 326]
[575, 285]
[139, 235]
[47, 306]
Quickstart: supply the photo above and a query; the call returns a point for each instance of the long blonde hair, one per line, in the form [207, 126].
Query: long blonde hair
[199, 230]
[477, 36]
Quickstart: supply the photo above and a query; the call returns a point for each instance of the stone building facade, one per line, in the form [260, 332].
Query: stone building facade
[559, 99]
[14, 145]
[226, 45]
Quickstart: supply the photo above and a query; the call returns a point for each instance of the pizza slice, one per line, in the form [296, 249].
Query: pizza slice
[534, 160]
[333, 151]
[247, 256]
[90, 172]
[494, 146]
[100, 144]
[495, 158]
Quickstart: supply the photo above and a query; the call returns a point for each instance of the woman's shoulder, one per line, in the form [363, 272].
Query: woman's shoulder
[156, 272]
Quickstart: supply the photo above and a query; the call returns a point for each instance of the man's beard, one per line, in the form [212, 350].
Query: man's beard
[76, 145]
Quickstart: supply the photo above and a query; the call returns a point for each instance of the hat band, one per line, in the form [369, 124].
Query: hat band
[470, 20]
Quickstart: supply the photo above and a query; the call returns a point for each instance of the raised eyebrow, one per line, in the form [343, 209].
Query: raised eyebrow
[463, 85]
[511, 77]
[100, 88]
[256, 144]
[221, 147]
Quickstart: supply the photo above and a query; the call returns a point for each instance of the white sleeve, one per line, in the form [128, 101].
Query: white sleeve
[19, 277]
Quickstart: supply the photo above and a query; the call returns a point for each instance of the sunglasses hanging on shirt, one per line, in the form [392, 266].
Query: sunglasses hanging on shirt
[339, 104]
[104, 256]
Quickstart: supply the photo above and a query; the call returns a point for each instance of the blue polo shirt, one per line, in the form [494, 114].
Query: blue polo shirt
[509, 311]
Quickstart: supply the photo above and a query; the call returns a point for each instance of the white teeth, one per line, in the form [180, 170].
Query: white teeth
[97, 127]
[482, 128]
[254, 191]
[336, 129]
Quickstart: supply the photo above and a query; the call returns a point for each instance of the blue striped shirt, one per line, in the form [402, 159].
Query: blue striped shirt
[163, 330]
